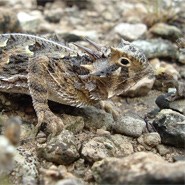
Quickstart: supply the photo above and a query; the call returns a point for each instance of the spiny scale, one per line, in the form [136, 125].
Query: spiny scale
[21, 43]
[43, 69]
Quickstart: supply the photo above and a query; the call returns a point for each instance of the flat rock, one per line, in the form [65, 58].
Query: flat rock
[156, 48]
[128, 31]
[171, 127]
[111, 146]
[138, 168]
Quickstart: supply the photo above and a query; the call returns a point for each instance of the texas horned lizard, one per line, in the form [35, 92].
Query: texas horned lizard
[46, 70]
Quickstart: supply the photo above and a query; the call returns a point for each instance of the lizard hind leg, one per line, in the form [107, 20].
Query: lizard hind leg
[38, 87]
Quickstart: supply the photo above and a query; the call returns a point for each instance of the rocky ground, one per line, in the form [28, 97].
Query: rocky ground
[146, 145]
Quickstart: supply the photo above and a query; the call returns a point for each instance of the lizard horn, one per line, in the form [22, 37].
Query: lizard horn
[98, 47]
[88, 51]
[88, 67]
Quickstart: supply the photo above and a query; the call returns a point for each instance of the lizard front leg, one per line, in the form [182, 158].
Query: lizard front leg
[37, 71]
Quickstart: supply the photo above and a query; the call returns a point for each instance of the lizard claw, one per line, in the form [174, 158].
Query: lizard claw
[49, 123]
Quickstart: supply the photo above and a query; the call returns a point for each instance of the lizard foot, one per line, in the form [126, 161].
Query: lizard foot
[51, 124]
[111, 108]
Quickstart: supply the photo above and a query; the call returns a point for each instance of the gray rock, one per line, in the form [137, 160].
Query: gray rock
[156, 48]
[138, 168]
[101, 147]
[61, 149]
[97, 118]
[131, 31]
[166, 31]
[129, 126]
[171, 127]
[54, 15]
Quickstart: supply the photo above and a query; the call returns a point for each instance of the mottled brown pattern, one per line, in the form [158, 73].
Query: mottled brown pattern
[47, 70]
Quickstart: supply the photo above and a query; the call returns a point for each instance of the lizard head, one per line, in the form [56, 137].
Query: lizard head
[117, 69]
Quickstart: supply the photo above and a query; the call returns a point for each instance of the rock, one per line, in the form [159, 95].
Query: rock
[171, 127]
[149, 140]
[91, 34]
[54, 15]
[182, 57]
[25, 170]
[56, 175]
[17, 164]
[19, 4]
[164, 73]
[127, 9]
[164, 67]
[101, 147]
[157, 48]
[30, 21]
[70, 182]
[128, 31]
[166, 31]
[8, 21]
[163, 150]
[61, 149]
[178, 105]
[74, 124]
[179, 158]
[129, 126]
[7, 152]
[138, 168]
[97, 118]
[141, 88]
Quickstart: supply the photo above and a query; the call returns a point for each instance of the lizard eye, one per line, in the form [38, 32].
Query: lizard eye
[124, 61]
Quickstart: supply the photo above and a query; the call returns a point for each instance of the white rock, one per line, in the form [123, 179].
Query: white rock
[30, 21]
[131, 31]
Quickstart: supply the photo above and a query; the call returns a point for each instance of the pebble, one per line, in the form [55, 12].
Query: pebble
[150, 140]
[129, 126]
[61, 149]
[30, 21]
[162, 149]
[166, 31]
[157, 48]
[128, 31]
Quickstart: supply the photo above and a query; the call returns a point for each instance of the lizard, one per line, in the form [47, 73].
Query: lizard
[48, 70]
